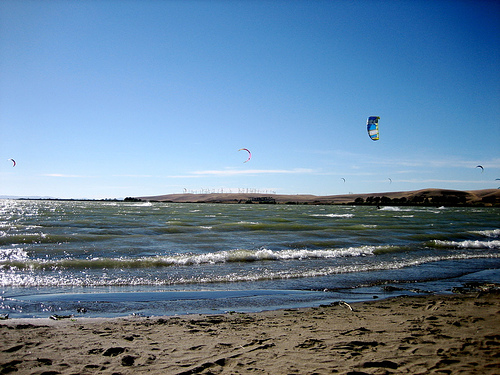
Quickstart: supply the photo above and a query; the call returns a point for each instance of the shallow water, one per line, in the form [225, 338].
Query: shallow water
[118, 258]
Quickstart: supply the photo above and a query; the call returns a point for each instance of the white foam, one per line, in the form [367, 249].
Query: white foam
[468, 244]
[14, 254]
[241, 255]
[333, 215]
[494, 233]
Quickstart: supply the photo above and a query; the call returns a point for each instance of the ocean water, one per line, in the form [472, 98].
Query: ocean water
[102, 259]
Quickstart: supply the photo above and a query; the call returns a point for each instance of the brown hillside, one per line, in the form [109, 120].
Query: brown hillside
[424, 196]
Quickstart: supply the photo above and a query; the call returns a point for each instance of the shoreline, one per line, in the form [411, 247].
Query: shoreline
[105, 303]
[424, 197]
[455, 333]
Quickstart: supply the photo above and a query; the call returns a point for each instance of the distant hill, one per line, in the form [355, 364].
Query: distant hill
[24, 197]
[446, 197]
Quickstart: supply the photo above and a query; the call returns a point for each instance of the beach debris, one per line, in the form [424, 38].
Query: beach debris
[249, 153]
[345, 304]
[59, 317]
[13, 162]
[482, 168]
[391, 288]
[423, 291]
[140, 315]
[477, 287]
[372, 127]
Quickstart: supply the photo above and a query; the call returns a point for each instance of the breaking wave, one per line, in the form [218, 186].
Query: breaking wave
[15, 261]
[333, 215]
[494, 233]
[469, 244]
[107, 280]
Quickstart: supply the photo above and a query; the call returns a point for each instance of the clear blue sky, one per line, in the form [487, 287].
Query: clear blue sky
[108, 99]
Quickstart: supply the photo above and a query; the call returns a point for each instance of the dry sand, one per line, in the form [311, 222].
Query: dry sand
[458, 334]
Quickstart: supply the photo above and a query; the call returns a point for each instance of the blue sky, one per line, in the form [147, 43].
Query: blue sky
[108, 99]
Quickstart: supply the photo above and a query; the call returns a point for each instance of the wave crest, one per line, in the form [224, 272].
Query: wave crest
[469, 244]
[493, 233]
[239, 255]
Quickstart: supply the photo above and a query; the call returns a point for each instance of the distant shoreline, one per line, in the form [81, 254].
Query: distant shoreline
[424, 197]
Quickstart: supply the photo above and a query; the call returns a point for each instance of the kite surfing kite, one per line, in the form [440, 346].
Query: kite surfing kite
[249, 153]
[372, 127]
[482, 168]
[13, 162]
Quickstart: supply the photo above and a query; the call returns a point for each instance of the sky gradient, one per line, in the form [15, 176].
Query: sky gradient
[108, 99]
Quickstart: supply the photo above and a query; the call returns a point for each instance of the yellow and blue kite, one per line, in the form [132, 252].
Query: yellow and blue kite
[372, 127]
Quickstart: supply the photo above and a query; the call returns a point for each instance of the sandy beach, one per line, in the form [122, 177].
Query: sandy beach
[452, 334]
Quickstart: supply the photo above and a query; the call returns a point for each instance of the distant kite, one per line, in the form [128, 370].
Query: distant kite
[13, 162]
[390, 180]
[249, 153]
[343, 179]
[372, 127]
[480, 166]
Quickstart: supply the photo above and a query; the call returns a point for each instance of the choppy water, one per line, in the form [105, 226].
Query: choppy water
[118, 258]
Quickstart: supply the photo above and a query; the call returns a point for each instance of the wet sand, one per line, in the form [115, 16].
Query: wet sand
[453, 334]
